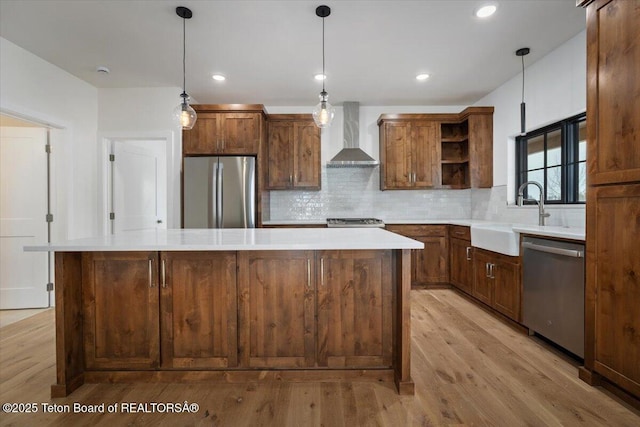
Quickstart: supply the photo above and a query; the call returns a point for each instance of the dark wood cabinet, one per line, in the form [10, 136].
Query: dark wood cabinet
[352, 286]
[199, 309]
[293, 146]
[225, 129]
[612, 293]
[120, 310]
[497, 282]
[276, 302]
[429, 265]
[437, 150]
[461, 258]
[408, 153]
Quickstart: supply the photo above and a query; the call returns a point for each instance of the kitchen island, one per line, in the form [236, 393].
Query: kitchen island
[233, 305]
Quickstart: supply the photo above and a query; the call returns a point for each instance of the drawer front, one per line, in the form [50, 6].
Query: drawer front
[460, 232]
[419, 230]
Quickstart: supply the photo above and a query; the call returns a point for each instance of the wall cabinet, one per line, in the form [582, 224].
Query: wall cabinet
[461, 258]
[409, 154]
[431, 264]
[293, 146]
[497, 282]
[612, 293]
[278, 316]
[225, 129]
[437, 150]
[126, 294]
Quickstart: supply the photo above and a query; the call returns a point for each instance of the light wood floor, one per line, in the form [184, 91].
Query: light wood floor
[469, 369]
[8, 317]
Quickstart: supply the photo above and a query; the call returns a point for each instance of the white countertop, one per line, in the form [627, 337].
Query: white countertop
[237, 240]
[574, 233]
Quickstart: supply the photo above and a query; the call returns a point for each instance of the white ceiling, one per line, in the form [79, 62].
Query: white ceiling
[270, 50]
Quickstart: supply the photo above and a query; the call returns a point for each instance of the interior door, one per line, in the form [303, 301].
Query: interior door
[138, 198]
[23, 209]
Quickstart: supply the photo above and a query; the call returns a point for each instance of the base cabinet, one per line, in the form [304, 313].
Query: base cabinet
[497, 282]
[285, 297]
[461, 258]
[120, 310]
[126, 294]
[431, 264]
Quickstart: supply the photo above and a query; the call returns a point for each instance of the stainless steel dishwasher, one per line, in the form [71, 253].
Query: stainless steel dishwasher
[553, 291]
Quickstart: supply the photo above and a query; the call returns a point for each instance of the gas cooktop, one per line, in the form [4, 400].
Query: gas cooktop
[355, 222]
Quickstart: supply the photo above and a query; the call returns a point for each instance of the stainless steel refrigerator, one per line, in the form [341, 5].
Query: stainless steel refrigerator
[219, 192]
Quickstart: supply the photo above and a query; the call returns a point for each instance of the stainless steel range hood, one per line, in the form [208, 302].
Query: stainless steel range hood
[352, 155]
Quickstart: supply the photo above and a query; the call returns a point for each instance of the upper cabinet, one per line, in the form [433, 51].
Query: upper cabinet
[408, 154]
[225, 129]
[613, 92]
[437, 150]
[293, 146]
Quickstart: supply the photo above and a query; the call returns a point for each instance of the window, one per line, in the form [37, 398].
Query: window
[555, 156]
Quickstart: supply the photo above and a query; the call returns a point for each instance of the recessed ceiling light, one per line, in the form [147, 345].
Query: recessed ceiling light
[320, 77]
[219, 77]
[486, 11]
[102, 70]
[422, 76]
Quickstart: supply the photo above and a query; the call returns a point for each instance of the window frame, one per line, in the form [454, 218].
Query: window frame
[569, 165]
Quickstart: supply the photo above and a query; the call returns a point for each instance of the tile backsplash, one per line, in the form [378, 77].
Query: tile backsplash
[355, 192]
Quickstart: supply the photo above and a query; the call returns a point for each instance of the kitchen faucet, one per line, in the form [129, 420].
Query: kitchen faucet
[541, 213]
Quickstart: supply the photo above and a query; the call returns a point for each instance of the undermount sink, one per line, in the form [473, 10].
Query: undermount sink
[497, 237]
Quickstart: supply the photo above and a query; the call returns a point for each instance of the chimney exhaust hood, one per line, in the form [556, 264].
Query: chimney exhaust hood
[352, 155]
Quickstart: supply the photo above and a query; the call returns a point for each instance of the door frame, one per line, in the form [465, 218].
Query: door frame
[104, 172]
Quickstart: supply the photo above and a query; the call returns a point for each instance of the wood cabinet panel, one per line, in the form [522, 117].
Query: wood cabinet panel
[199, 309]
[461, 264]
[613, 278]
[306, 155]
[276, 302]
[203, 137]
[397, 155]
[426, 153]
[120, 310]
[240, 133]
[482, 284]
[613, 92]
[497, 282]
[293, 153]
[481, 150]
[431, 264]
[354, 309]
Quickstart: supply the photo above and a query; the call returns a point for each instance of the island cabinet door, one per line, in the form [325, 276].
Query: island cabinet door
[354, 309]
[276, 303]
[482, 281]
[198, 304]
[120, 310]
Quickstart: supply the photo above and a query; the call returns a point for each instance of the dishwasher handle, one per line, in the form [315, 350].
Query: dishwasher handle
[552, 250]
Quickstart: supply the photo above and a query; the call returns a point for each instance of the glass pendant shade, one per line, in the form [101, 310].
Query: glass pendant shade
[185, 115]
[323, 112]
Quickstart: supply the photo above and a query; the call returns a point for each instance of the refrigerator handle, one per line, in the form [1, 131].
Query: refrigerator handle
[220, 198]
[248, 192]
[213, 206]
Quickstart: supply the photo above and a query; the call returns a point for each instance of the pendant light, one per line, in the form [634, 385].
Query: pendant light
[323, 112]
[183, 113]
[523, 128]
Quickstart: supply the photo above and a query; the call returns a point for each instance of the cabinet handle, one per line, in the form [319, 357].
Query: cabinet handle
[491, 271]
[468, 253]
[486, 269]
[308, 273]
[321, 271]
[164, 275]
[290, 179]
[151, 273]
[414, 177]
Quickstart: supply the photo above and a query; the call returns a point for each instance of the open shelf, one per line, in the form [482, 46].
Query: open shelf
[455, 175]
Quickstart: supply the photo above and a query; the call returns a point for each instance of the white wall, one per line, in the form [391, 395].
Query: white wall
[143, 113]
[555, 89]
[33, 88]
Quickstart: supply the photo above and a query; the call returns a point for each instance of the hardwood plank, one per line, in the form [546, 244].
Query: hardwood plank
[469, 368]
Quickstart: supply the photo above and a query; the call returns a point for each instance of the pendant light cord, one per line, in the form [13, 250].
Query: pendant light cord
[184, 54]
[324, 76]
